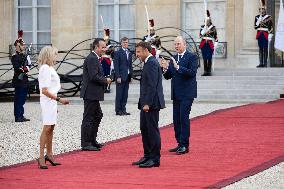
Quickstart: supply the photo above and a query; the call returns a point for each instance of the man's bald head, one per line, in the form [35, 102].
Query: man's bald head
[180, 44]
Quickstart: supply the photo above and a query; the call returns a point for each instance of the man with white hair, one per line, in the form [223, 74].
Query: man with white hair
[182, 70]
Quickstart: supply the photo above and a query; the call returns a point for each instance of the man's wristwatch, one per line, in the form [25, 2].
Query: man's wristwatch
[57, 99]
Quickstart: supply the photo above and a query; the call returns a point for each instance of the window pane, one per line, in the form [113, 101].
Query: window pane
[108, 15]
[43, 2]
[126, 17]
[25, 19]
[128, 34]
[43, 19]
[25, 2]
[126, 2]
[43, 38]
[28, 38]
[105, 1]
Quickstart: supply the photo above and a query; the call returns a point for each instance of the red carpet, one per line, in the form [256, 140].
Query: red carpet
[226, 146]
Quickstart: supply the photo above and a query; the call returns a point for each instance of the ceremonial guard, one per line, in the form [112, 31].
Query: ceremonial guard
[21, 62]
[106, 59]
[153, 39]
[208, 34]
[264, 26]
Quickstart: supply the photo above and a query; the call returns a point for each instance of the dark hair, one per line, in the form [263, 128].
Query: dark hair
[97, 42]
[124, 39]
[144, 45]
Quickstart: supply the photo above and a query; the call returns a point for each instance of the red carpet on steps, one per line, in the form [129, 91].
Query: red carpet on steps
[226, 146]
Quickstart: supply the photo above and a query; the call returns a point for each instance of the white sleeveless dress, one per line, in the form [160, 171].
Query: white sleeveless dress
[48, 78]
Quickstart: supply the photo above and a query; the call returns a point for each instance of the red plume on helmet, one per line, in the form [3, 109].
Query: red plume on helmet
[20, 34]
[151, 23]
[208, 13]
[20, 38]
[263, 3]
[106, 32]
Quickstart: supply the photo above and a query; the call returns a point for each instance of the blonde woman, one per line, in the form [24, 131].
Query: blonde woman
[49, 84]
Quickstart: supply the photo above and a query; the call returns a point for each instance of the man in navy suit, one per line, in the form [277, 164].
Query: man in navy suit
[182, 70]
[123, 72]
[150, 102]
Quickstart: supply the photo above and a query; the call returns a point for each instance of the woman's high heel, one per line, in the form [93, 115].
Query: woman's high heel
[50, 161]
[41, 166]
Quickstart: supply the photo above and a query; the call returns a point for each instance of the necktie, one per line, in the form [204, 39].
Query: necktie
[126, 51]
[179, 57]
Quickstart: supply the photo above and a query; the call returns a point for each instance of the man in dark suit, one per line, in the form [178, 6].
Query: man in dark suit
[182, 70]
[92, 92]
[150, 102]
[123, 72]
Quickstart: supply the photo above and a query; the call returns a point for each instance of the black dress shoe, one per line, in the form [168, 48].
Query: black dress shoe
[174, 149]
[41, 166]
[98, 145]
[90, 148]
[259, 66]
[126, 113]
[53, 163]
[150, 163]
[26, 119]
[119, 113]
[19, 120]
[182, 150]
[141, 161]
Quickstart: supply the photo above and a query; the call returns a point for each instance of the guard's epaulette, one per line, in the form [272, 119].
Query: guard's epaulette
[14, 54]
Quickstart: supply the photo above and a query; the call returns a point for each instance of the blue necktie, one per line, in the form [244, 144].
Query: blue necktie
[179, 58]
[126, 51]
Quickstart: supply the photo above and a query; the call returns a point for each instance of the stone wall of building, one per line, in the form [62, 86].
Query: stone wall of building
[72, 21]
[7, 34]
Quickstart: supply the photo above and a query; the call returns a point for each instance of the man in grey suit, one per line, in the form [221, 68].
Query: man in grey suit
[92, 92]
[150, 102]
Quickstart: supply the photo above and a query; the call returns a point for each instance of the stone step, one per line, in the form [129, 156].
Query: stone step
[241, 82]
[239, 92]
[247, 72]
[247, 77]
[238, 97]
[241, 86]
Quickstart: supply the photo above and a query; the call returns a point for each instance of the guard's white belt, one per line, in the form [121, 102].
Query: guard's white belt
[208, 38]
[262, 29]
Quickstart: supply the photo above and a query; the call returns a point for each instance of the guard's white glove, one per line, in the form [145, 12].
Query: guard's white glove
[29, 60]
[270, 36]
[216, 44]
[203, 31]
[158, 52]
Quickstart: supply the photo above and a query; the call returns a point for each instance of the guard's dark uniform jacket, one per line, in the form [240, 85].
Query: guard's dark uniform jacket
[20, 65]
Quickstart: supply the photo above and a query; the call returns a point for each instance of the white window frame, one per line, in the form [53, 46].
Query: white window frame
[116, 29]
[34, 7]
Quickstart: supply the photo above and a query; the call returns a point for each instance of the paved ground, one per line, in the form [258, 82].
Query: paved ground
[19, 142]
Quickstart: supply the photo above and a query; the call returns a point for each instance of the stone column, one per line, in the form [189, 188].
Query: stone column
[250, 10]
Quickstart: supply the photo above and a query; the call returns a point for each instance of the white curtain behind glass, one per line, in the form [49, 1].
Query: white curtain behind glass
[36, 30]
[119, 17]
